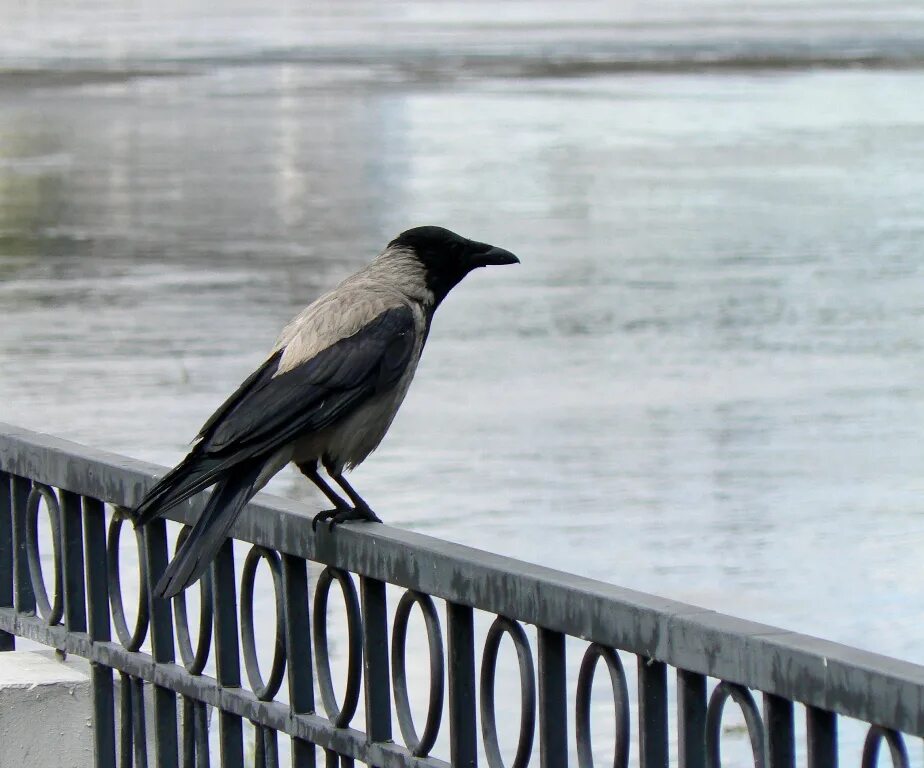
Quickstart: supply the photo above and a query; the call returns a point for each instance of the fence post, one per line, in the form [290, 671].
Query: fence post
[94, 530]
[227, 653]
[652, 713]
[463, 722]
[7, 639]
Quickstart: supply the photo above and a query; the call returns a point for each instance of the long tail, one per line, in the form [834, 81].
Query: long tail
[228, 498]
[185, 480]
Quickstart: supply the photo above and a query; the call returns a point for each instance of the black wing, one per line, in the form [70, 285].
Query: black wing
[268, 411]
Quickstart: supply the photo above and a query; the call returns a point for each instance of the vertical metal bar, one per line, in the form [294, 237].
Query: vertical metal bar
[303, 753]
[201, 731]
[780, 731]
[259, 745]
[103, 715]
[126, 721]
[22, 581]
[691, 716]
[189, 733]
[94, 531]
[652, 713]
[75, 596]
[463, 724]
[821, 727]
[227, 653]
[7, 640]
[298, 651]
[270, 748]
[136, 686]
[553, 700]
[165, 710]
[375, 659]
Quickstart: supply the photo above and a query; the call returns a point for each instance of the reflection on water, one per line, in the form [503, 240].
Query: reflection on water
[704, 380]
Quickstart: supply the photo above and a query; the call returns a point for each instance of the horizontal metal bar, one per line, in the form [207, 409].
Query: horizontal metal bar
[856, 683]
[280, 717]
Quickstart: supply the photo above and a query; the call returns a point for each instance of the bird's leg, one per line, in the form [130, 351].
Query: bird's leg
[361, 509]
[359, 502]
[310, 470]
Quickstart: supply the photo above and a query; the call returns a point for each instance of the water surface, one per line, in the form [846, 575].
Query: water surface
[703, 381]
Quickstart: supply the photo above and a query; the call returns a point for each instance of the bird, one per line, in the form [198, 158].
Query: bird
[324, 398]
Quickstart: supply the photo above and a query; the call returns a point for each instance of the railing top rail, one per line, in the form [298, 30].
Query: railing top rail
[817, 672]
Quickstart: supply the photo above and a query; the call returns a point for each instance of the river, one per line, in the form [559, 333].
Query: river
[703, 381]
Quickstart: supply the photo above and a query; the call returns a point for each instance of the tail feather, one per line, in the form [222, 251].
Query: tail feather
[193, 474]
[209, 533]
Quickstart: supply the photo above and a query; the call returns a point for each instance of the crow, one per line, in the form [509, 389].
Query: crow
[325, 397]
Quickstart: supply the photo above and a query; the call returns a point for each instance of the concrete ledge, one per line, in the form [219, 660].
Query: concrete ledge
[45, 710]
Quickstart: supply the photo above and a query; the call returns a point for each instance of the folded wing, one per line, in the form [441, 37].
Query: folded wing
[269, 411]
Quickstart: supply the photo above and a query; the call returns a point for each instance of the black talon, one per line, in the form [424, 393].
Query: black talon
[367, 514]
[326, 514]
[349, 514]
[352, 515]
[342, 512]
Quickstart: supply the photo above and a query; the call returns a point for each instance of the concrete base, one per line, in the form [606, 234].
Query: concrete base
[45, 711]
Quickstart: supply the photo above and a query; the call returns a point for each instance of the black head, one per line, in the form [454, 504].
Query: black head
[449, 257]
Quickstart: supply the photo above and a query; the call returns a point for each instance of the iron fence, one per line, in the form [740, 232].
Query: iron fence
[677, 721]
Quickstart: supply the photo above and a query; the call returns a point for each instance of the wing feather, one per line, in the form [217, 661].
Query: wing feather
[270, 410]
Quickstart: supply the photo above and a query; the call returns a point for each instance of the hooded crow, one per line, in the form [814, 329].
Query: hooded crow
[325, 396]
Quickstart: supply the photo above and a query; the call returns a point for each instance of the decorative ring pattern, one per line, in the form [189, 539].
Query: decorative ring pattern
[131, 639]
[752, 719]
[421, 745]
[896, 743]
[501, 626]
[194, 660]
[262, 690]
[340, 717]
[592, 655]
[52, 612]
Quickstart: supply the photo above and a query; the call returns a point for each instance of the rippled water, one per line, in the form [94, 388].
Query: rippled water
[704, 380]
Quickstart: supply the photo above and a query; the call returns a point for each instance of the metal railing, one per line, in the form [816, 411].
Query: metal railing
[716, 657]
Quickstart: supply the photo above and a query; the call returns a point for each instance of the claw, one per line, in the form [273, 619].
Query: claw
[327, 514]
[364, 512]
[351, 515]
[334, 517]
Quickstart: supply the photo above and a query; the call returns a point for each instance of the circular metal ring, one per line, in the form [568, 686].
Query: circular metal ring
[340, 717]
[194, 660]
[592, 655]
[501, 626]
[752, 719]
[51, 612]
[896, 743]
[262, 690]
[419, 746]
[133, 639]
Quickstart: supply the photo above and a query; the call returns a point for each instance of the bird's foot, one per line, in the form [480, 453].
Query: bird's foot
[336, 516]
[366, 513]
[327, 514]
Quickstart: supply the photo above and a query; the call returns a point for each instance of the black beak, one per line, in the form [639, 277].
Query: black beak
[493, 256]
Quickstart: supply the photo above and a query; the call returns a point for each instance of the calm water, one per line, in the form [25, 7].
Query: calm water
[704, 380]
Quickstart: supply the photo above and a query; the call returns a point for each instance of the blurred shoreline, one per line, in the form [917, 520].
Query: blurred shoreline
[428, 68]
[415, 41]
